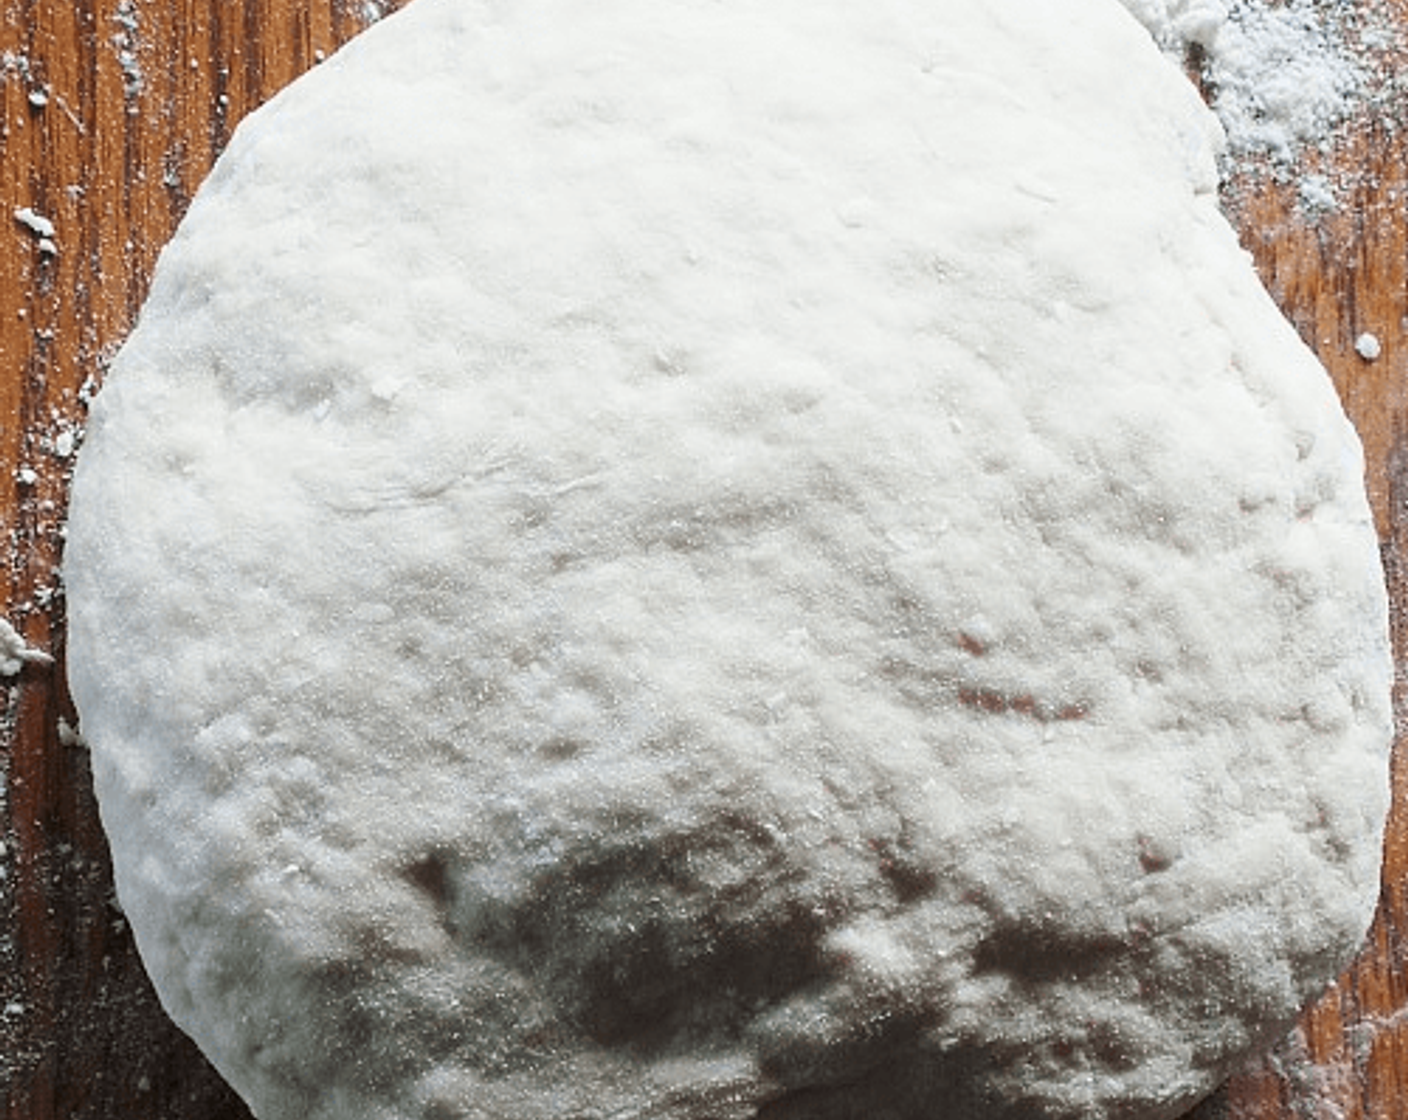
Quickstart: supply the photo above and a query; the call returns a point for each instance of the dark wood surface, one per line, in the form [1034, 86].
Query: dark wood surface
[113, 111]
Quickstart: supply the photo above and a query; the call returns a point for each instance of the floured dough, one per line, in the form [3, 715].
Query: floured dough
[693, 560]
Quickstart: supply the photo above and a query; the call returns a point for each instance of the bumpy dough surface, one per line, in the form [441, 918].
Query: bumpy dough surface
[703, 560]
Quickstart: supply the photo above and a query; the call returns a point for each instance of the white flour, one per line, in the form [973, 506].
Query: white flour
[1281, 76]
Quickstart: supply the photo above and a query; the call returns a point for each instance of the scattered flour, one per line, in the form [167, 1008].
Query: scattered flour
[1316, 194]
[126, 44]
[767, 560]
[41, 227]
[1281, 76]
[16, 653]
[36, 223]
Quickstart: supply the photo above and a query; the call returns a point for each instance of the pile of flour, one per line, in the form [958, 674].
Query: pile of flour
[1281, 76]
[723, 561]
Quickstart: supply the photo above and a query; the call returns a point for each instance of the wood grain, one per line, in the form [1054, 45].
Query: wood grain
[113, 111]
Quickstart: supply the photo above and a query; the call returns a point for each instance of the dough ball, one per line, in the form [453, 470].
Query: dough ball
[717, 561]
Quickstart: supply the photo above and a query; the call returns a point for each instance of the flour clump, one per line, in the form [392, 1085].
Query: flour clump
[694, 560]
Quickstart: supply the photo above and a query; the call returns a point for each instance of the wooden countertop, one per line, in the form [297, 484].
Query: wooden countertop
[113, 111]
